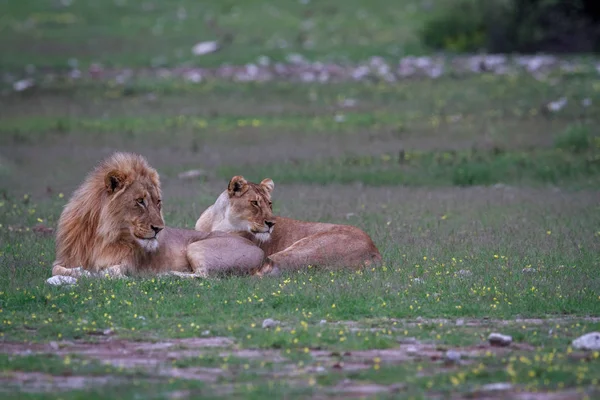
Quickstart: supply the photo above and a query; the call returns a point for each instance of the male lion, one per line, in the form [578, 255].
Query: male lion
[246, 209]
[113, 224]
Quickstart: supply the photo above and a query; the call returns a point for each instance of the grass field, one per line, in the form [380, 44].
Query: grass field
[162, 33]
[484, 204]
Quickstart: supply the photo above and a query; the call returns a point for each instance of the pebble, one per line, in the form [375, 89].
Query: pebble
[589, 341]
[498, 386]
[498, 339]
[270, 323]
[452, 356]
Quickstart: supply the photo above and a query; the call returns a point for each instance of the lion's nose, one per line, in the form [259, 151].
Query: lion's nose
[156, 229]
[270, 223]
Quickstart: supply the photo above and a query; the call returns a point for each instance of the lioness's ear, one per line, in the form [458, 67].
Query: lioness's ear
[237, 185]
[114, 180]
[268, 184]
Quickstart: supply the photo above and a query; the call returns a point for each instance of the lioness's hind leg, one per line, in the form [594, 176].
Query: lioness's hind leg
[347, 249]
[224, 254]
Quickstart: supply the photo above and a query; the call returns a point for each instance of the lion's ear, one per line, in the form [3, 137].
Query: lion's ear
[237, 185]
[268, 184]
[114, 180]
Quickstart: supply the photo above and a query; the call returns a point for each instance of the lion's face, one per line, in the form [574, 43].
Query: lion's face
[250, 207]
[135, 207]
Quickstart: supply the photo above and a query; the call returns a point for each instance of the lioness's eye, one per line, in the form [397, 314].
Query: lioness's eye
[254, 203]
[159, 204]
[271, 204]
[140, 201]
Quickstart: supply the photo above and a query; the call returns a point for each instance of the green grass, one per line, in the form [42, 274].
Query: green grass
[140, 33]
[465, 168]
[455, 245]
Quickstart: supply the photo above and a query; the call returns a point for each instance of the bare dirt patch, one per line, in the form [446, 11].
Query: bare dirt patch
[157, 362]
[39, 382]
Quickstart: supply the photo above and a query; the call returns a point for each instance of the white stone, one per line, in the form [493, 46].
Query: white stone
[203, 48]
[22, 85]
[498, 339]
[589, 341]
[499, 386]
[270, 323]
[453, 356]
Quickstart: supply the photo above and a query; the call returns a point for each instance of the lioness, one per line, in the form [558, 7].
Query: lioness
[246, 209]
[113, 224]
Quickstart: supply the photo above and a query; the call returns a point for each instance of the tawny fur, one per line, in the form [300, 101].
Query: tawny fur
[245, 208]
[113, 223]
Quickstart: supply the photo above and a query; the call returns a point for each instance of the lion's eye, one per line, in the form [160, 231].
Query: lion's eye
[271, 204]
[140, 201]
[159, 204]
[254, 203]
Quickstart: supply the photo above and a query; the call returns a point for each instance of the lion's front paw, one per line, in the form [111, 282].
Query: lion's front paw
[61, 280]
[268, 269]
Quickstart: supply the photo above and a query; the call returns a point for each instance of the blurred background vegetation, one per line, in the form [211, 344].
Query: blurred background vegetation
[563, 26]
[146, 33]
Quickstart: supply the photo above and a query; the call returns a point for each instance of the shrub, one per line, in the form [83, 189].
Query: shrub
[515, 25]
[576, 139]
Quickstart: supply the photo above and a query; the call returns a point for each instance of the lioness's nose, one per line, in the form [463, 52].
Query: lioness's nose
[270, 223]
[156, 229]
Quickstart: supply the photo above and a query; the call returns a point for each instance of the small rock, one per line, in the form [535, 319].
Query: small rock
[322, 322]
[412, 350]
[61, 280]
[498, 339]
[348, 103]
[22, 85]
[557, 105]
[528, 270]
[499, 386]
[193, 76]
[464, 272]
[500, 186]
[460, 322]
[270, 323]
[589, 341]
[418, 280]
[205, 333]
[108, 332]
[408, 340]
[191, 174]
[203, 48]
[452, 356]
[54, 345]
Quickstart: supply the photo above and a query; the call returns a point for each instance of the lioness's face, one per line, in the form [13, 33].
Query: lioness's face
[140, 210]
[250, 207]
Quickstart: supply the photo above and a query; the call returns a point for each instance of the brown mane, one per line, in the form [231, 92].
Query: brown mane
[87, 229]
